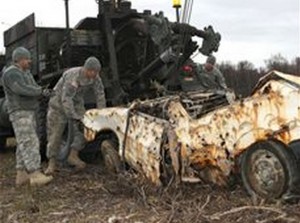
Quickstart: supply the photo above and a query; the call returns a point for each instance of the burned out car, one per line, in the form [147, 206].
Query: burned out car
[197, 136]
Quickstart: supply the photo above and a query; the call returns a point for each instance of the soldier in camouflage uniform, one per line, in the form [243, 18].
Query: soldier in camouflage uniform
[22, 93]
[205, 77]
[68, 103]
[209, 77]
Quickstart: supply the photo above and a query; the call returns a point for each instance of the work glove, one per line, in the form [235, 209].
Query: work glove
[230, 96]
[77, 121]
[48, 93]
[76, 118]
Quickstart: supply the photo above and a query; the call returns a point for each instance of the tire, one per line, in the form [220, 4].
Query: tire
[41, 121]
[2, 144]
[67, 139]
[295, 146]
[111, 158]
[268, 169]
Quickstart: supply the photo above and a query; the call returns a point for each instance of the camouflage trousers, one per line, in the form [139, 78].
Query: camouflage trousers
[57, 122]
[28, 148]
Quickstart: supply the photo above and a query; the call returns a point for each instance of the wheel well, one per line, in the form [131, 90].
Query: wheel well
[107, 134]
[291, 152]
[91, 153]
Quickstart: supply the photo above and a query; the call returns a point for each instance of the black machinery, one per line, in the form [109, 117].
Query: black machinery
[136, 49]
[140, 52]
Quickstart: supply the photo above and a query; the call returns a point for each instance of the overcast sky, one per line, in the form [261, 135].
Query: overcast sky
[252, 30]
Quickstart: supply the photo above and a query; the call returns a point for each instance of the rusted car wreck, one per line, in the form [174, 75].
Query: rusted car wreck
[197, 136]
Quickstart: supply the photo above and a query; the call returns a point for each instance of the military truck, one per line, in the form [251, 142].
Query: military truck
[139, 52]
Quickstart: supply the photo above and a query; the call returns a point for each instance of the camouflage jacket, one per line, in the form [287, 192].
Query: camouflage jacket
[70, 91]
[210, 80]
[21, 90]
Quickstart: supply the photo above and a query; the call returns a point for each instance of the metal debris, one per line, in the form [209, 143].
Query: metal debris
[199, 135]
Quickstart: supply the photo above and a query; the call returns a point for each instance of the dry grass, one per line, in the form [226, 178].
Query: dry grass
[95, 196]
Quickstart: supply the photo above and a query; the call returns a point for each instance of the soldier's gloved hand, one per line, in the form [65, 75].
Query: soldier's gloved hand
[77, 118]
[48, 92]
[77, 121]
[230, 96]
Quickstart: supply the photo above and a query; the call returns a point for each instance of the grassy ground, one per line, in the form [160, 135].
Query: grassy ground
[95, 196]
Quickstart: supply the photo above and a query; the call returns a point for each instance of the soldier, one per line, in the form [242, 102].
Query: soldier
[68, 103]
[22, 93]
[210, 77]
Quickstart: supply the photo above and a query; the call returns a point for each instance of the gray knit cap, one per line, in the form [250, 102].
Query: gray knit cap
[211, 60]
[92, 63]
[20, 53]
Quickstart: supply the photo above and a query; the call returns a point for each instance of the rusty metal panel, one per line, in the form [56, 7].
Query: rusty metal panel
[143, 139]
[143, 143]
[200, 144]
[216, 139]
[112, 119]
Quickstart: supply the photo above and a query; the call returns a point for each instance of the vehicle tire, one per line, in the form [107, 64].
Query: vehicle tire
[41, 121]
[91, 153]
[295, 146]
[2, 144]
[268, 169]
[111, 158]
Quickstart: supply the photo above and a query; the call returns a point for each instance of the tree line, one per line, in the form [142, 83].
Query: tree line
[243, 76]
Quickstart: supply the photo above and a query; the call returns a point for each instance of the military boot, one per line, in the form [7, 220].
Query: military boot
[37, 178]
[51, 167]
[22, 177]
[74, 160]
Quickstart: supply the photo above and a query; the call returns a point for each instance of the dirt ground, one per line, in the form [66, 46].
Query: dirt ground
[93, 195]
